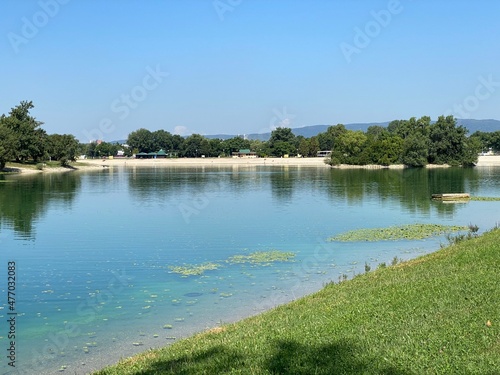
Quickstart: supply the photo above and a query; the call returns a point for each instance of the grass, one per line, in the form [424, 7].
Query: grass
[437, 314]
[402, 232]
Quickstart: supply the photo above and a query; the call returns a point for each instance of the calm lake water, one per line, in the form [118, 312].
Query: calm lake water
[92, 250]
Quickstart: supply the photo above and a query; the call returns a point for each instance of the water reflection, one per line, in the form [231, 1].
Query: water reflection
[25, 199]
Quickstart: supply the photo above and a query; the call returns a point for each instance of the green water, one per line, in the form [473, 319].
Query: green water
[94, 250]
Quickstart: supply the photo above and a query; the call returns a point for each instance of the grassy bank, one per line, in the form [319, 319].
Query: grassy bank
[438, 314]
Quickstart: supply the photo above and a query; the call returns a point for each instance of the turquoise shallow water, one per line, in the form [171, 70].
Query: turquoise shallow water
[93, 250]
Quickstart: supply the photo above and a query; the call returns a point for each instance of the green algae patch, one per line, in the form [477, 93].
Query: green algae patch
[396, 233]
[262, 257]
[258, 258]
[485, 199]
[194, 269]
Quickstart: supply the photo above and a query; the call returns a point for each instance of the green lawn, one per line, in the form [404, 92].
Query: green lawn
[438, 314]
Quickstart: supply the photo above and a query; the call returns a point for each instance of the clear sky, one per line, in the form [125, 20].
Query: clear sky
[101, 69]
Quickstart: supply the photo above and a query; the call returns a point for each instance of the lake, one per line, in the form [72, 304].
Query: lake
[95, 251]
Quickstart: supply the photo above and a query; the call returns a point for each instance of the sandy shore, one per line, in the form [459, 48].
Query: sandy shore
[90, 164]
[184, 162]
[483, 161]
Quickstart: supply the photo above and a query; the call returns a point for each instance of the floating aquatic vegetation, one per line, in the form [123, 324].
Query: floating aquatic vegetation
[167, 326]
[486, 199]
[194, 269]
[402, 232]
[260, 257]
[226, 295]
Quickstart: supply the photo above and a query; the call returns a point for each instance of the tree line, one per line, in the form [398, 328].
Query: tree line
[22, 139]
[413, 142]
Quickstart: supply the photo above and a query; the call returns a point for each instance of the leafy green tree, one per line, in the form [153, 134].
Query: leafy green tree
[91, 151]
[386, 150]
[349, 148]
[195, 145]
[107, 149]
[327, 139]
[376, 132]
[304, 147]
[162, 140]
[235, 144]
[415, 151]
[448, 142]
[29, 139]
[282, 148]
[142, 139]
[6, 144]
[313, 146]
[260, 148]
[63, 148]
[470, 152]
[177, 143]
[282, 142]
[216, 148]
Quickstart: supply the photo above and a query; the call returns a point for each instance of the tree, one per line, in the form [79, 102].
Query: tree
[106, 149]
[415, 151]
[448, 142]
[235, 144]
[63, 148]
[162, 140]
[195, 145]
[29, 139]
[282, 142]
[304, 147]
[6, 144]
[216, 148]
[313, 146]
[142, 139]
[386, 150]
[327, 139]
[349, 147]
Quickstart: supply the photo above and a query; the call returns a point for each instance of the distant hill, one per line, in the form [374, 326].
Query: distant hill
[480, 125]
[312, 130]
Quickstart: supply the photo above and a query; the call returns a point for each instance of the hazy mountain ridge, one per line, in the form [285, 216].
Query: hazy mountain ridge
[472, 125]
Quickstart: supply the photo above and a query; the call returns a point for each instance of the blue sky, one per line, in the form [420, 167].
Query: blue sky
[101, 69]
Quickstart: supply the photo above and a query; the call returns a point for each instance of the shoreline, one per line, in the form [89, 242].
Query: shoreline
[94, 164]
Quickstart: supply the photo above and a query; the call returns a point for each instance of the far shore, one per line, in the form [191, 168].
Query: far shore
[92, 164]
[483, 161]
